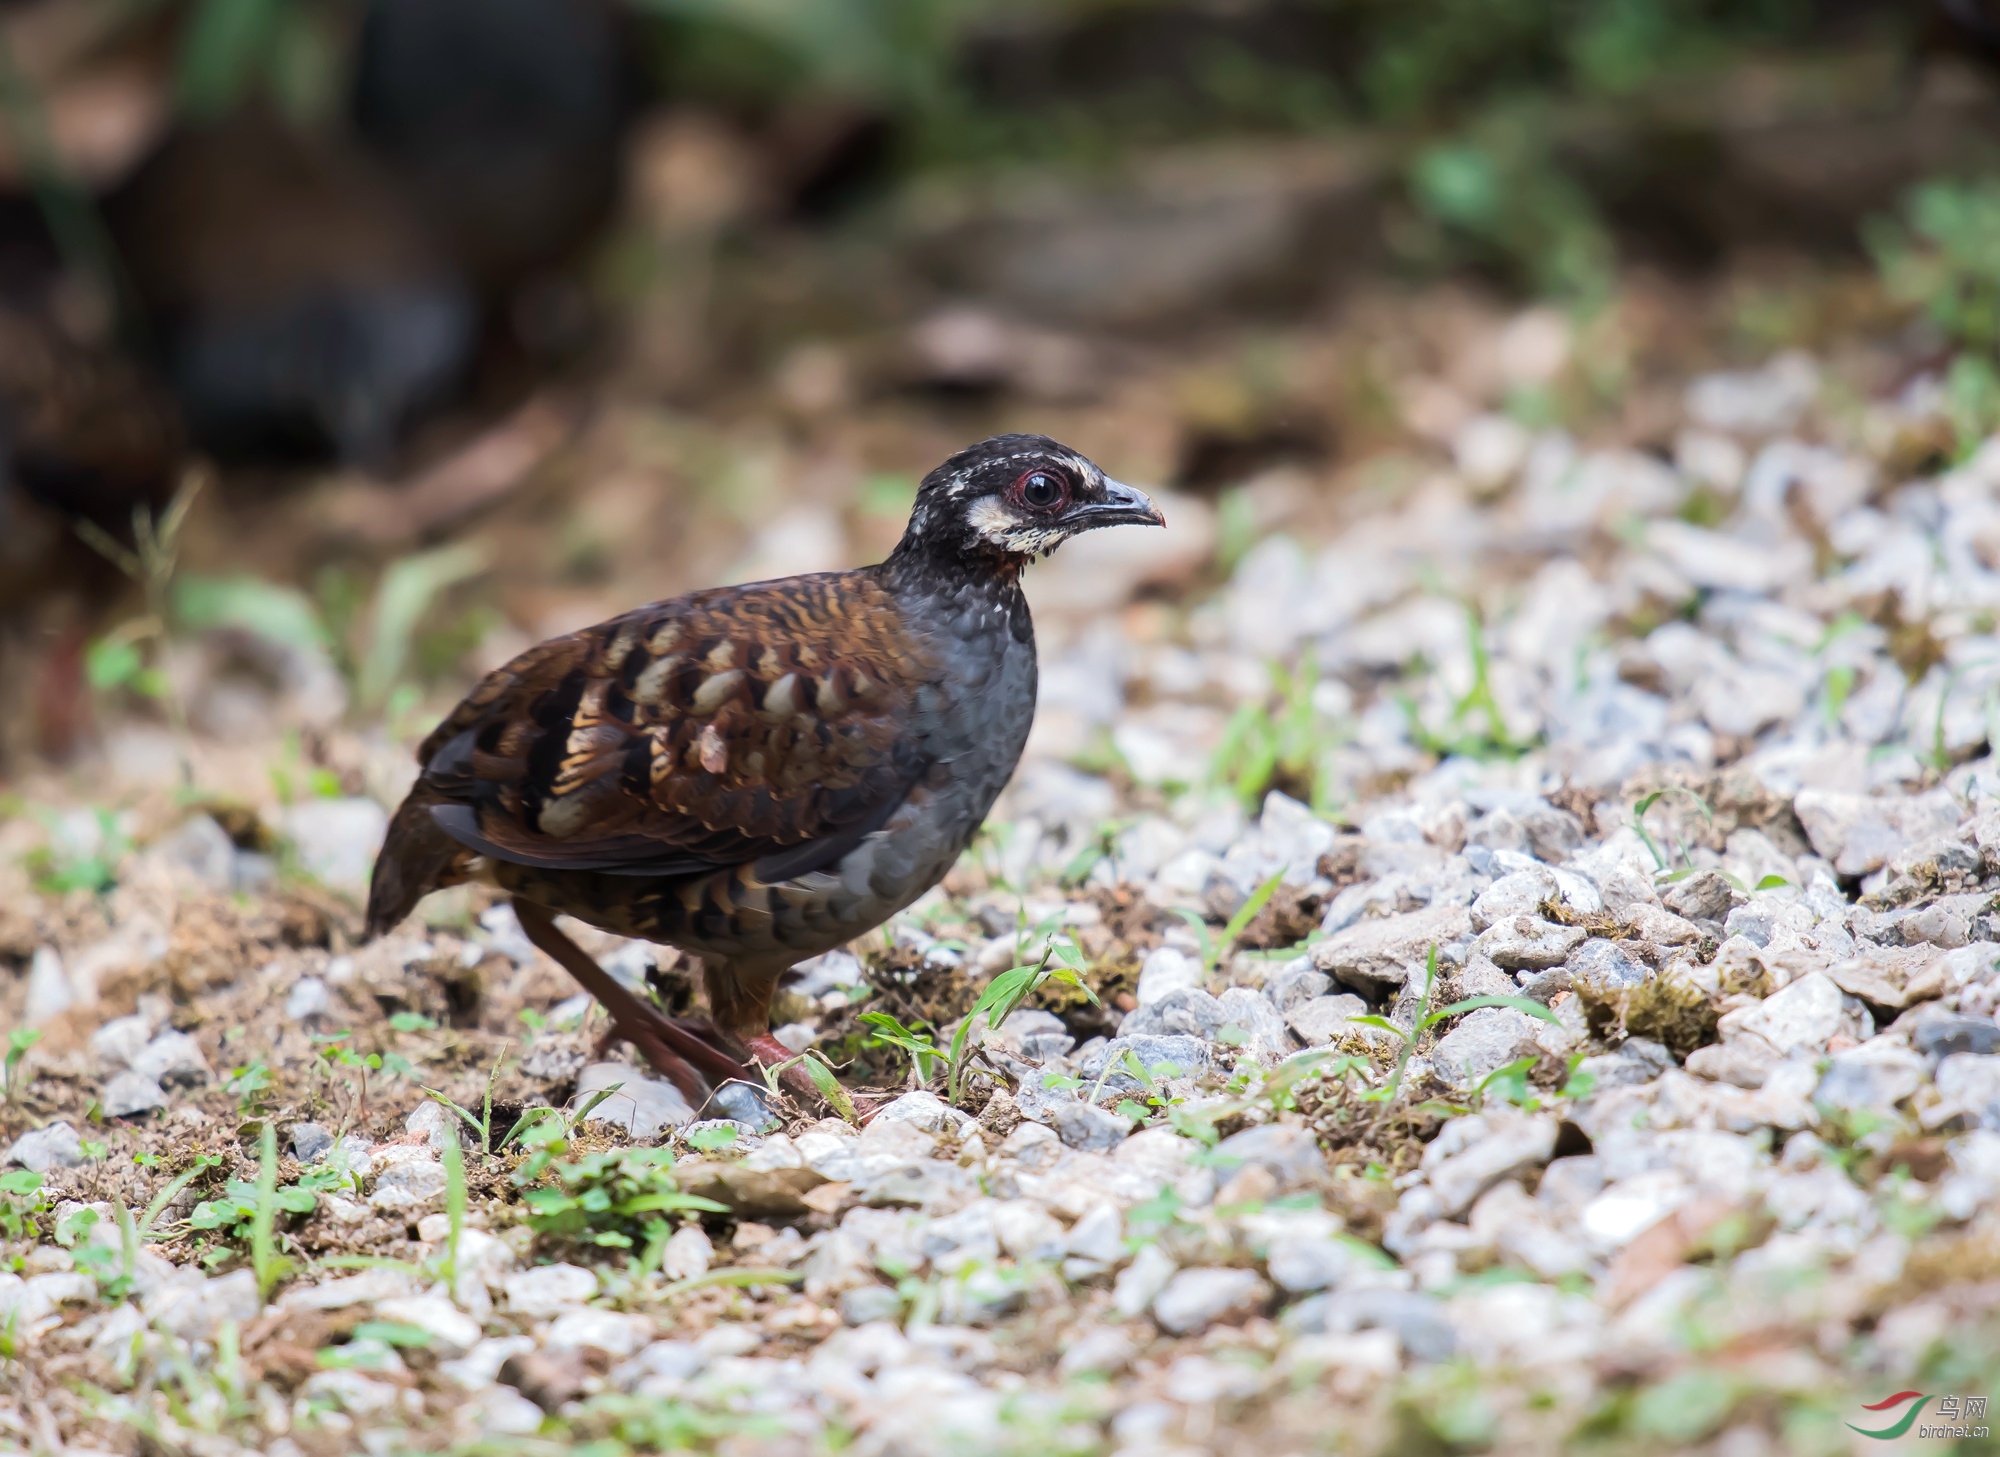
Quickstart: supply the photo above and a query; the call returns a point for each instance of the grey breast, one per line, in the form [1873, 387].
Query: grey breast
[970, 722]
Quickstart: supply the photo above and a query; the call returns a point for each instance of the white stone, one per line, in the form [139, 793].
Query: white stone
[53, 1147]
[609, 1331]
[923, 1110]
[642, 1106]
[121, 1039]
[350, 1290]
[1027, 1231]
[1376, 957]
[1491, 1147]
[1193, 1300]
[1249, 1015]
[407, 1178]
[549, 1289]
[1164, 970]
[308, 998]
[1860, 833]
[1320, 1020]
[688, 1254]
[128, 1093]
[1520, 893]
[1489, 449]
[501, 1411]
[49, 991]
[1140, 1283]
[452, 1331]
[1306, 1263]
[1801, 1017]
[1106, 1350]
[1631, 1206]
[351, 1392]
[480, 1367]
[172, 1058]
[1528, 943]
[336, 839]
[1098, 1236]
[194, 1308]
[1484, 1040]
[1727, 563]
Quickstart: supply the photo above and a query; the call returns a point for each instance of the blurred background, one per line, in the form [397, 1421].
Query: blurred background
[346, 348]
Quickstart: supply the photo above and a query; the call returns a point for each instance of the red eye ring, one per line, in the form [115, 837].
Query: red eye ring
[1041, 490]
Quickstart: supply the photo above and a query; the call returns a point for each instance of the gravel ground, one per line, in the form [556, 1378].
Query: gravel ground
[1683, 764]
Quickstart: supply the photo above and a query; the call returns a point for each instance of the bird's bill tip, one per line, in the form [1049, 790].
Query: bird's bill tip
[1121, 505]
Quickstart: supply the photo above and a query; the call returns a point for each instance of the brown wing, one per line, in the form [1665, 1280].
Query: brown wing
[767, 723]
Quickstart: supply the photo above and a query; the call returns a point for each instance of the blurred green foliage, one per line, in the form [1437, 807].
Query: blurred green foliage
[286, 52]
[1468, 91]
[1286, 742]
[1943, 257]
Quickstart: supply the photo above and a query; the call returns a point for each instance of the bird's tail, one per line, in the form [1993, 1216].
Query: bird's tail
[417, 858]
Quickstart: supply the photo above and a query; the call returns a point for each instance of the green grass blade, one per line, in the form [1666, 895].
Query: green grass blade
[264, 1258]
[1245, 914]
[1472, 1004]
[454, 1209]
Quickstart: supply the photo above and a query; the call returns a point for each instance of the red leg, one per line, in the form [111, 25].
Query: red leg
[769, 1052]
[652, 1034]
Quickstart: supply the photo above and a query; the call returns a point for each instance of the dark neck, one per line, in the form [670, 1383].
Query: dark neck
[916, 568]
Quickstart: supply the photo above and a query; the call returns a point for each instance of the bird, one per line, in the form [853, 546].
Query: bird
[755, 774]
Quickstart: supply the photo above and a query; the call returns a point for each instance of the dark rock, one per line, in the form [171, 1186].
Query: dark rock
[547, 1378]
[1942, 1036]
[1703, 896]
[744, 1103]
[309, 1142]
[1183, 1012]
[1418, 1323]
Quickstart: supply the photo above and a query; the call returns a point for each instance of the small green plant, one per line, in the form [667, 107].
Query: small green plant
[1003, 997]
[1424, 1019]
[616, 1200]
[285, 51]
[1235, 529]
[264, 1258]
[1638, 827]
[18, 1042]
[247, 1085]
[22, 1204]
[886, 1031]
[544, 1133]
[1215, 949]
[1286, 743]
[334, 1050]
[816, 1067]
[481, 1127]
[132, 655]
[71, 861]
[1095, 851]
[1459, 738]
[246, 1212]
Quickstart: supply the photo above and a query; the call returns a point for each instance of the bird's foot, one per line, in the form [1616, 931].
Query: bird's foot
[767, 1052]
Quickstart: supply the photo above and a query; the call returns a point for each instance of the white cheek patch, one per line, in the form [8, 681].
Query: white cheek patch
[994, 522]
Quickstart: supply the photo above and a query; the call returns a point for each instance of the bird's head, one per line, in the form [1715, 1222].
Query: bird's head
[1014, 497]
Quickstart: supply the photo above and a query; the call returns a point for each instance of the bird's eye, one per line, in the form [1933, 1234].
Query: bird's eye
[1040, 490]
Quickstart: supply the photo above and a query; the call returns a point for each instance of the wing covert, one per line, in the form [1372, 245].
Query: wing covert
[767, 723]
